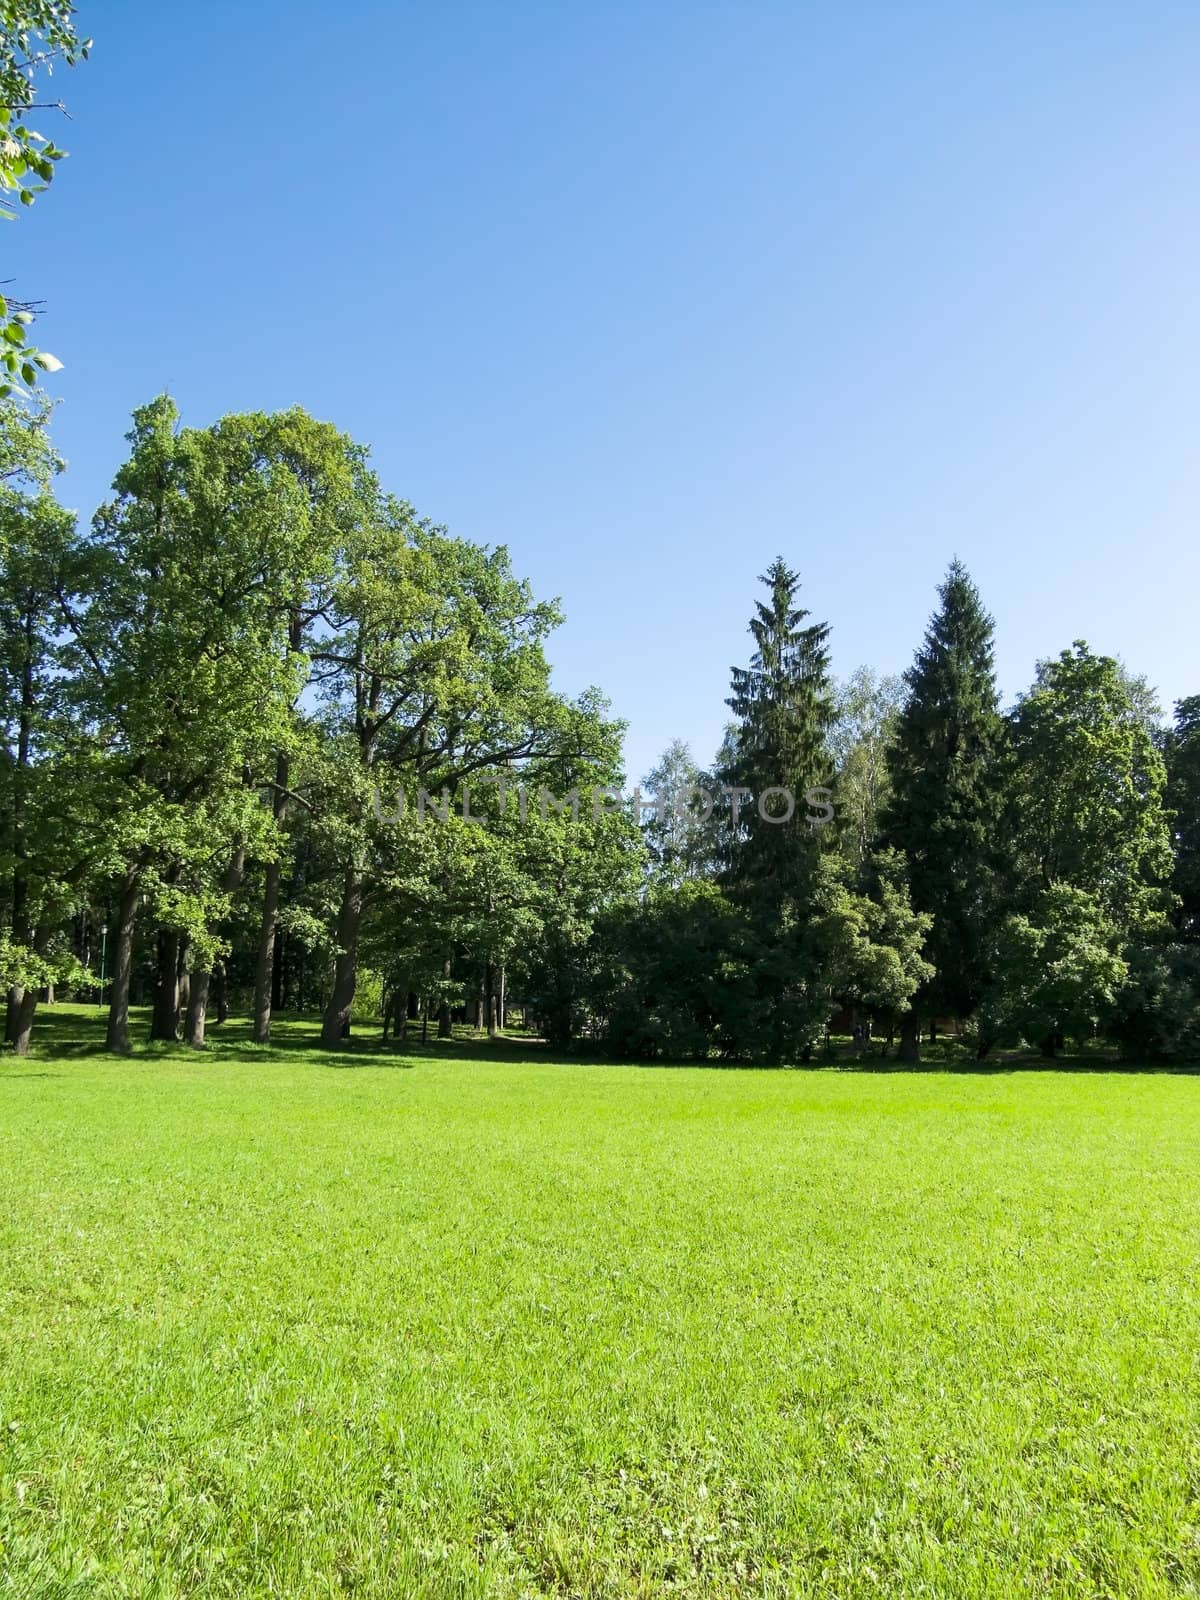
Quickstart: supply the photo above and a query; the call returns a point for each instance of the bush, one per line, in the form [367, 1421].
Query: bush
[1159, 1007]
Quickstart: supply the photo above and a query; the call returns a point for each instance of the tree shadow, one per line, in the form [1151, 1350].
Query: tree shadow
[76, 1033]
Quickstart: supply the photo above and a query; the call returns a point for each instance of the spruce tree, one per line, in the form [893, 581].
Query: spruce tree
[772, 868]
[783, 706]
[946, 798]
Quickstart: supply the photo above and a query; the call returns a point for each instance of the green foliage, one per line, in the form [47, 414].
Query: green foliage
[34, 36]
[674, 974]
[1057, 970]
[818, 941]
[583, 869]
[782, 705]
[370, 991]
[40, 807]
[1158, 1008]
[866, 709]
[891, 963]
[434, 676]
[182, 676]
[1090, 842]
[212, 700]
[22, 966]
[945, 800]
[680, 838]
[1182, 756]
[28, 459]
[687, 971]
[1086, 792]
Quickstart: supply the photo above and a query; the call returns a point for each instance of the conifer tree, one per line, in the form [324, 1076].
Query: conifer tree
[783, 706]
[945, 802]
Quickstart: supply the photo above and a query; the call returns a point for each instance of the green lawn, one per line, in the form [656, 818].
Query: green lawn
[281, 1323]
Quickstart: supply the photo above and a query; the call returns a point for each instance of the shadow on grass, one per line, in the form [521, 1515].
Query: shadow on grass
[76, 1032]
[1014, 1062]
[69, 1032]
[519, 1051]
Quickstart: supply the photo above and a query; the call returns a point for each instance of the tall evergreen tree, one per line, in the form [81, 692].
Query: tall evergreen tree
[945, 801]
[809, 933]
[783, 706]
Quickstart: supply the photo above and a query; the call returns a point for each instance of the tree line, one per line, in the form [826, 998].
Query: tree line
[1026, 877]
[207, 688]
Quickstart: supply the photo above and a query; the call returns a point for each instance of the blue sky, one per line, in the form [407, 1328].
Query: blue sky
[653, 292]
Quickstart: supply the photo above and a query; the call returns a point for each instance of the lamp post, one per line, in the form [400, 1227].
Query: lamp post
[103, 954]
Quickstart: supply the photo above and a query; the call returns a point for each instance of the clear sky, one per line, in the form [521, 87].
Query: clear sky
[651, 292]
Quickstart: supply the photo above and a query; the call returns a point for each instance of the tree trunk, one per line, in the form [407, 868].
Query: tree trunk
[22, 1021]
[200, 981]
[164, 1023]
[335, 1024]
[445, 1031]
[183, 977]
[15, 995]
[279, 983]
[910, 1038]
[397, 1015]
[489, 992]
[264, 966]
[23, 1008]
[395, 1011]
[197, 1009]
[222, 988]
[117, 1036]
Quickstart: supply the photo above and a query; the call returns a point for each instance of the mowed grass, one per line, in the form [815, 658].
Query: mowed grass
[282, 1323]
